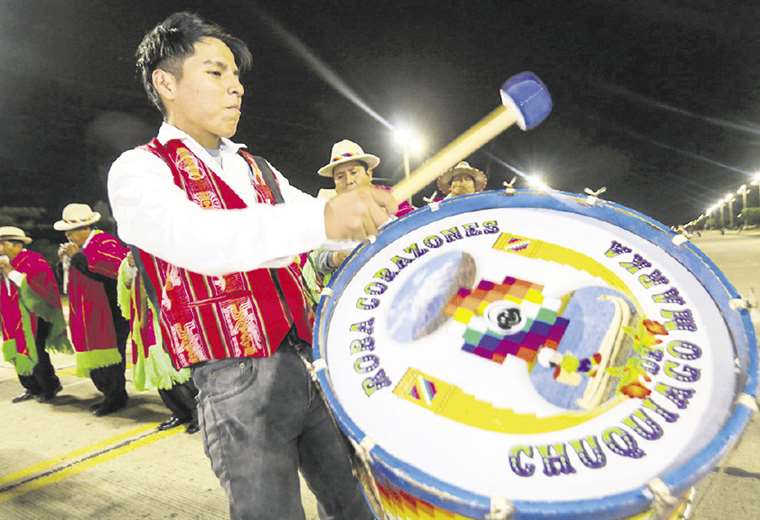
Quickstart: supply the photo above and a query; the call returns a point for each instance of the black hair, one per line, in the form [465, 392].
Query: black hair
[168, 44]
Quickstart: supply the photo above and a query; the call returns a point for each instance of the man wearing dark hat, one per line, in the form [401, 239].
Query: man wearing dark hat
[98, 330]
[462, 179]
[31, 316]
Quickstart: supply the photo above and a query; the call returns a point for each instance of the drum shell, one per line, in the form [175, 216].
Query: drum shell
[398, 479]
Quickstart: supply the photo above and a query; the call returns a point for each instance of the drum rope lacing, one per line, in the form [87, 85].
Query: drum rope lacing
[739, 304]
[509, 186]
[748, 401]
[662, 499]
[593, 195]
[501, 509]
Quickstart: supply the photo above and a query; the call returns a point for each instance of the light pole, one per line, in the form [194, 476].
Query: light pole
[730, 201]
[410, 143]
[756, 182]
[743, 191]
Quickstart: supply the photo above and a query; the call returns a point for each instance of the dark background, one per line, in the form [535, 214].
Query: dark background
[655, 99]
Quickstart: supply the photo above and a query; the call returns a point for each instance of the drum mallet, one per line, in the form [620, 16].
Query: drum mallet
[525, 101]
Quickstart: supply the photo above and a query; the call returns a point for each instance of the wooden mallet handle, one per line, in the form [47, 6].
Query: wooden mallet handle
[525, 101]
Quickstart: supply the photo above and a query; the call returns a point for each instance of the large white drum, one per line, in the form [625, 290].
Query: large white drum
[536, 354]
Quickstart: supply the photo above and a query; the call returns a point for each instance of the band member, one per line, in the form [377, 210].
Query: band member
[350, 168]
[216, 230]
[31, 316]
[98, 331]
[462, 179]
[151, 366]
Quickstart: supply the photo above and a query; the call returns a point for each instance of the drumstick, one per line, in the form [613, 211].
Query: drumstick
[525, 101]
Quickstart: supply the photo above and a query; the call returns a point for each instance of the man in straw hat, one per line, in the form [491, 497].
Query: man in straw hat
[98, 331]
[31, 316]
[350, 168]
[215, 230]
[462, 179]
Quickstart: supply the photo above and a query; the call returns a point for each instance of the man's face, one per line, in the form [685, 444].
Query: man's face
[78, 236]
[462, 184]
[10, 248]
[205, 101]
[351, 175]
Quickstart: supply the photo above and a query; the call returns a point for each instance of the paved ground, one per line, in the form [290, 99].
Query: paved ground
[58, 461]
[733, 490]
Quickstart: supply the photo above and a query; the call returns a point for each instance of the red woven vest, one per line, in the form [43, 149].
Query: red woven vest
[207, 318]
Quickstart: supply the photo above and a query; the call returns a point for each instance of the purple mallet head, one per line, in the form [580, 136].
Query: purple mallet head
[530, 98]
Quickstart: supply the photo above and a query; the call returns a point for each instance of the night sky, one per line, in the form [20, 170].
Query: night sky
[655, 99]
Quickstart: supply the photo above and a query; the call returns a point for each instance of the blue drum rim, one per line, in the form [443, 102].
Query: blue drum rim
[467, 503]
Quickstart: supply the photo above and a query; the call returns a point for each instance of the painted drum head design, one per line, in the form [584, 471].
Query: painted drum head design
[532, 349]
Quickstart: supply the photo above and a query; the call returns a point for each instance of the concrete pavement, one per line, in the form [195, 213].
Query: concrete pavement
[732, 491]
[59, 461]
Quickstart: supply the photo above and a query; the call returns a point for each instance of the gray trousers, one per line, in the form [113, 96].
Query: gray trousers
[262, 419]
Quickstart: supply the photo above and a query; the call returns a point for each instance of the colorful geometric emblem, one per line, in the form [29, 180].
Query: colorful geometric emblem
[508, 318]
[423, 390]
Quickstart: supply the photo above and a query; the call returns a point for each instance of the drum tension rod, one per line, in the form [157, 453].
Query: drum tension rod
[741, 304]
[681, 237]
[431, 202]
[748, 401]
[510, 190]
[501, 509]
[662, 499]
[593, 195]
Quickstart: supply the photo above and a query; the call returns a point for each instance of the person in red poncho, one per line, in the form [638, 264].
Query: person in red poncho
[30, 315]
[99, 333]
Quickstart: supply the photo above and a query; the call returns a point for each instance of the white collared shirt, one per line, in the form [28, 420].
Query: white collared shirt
[155, 215]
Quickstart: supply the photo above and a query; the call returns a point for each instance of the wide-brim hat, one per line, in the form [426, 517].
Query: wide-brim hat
[346, 151]
[76, 216]
[14, 233]
[444, 181]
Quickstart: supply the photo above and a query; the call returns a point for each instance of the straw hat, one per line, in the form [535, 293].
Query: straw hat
[444, 181]
[76, 216]
[346, 151]
[14, 233]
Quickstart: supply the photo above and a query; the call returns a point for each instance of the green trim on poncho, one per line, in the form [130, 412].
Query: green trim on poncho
[314, 279]
[57, 339]
[123, 293]
[23, 363]
[100, 358]
[156, 371]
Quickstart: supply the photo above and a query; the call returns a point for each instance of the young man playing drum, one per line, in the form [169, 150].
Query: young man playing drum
[236, 311]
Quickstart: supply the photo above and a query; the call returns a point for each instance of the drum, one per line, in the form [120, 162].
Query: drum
[533, 354]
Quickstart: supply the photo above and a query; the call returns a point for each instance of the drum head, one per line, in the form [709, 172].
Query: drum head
[536, 348]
